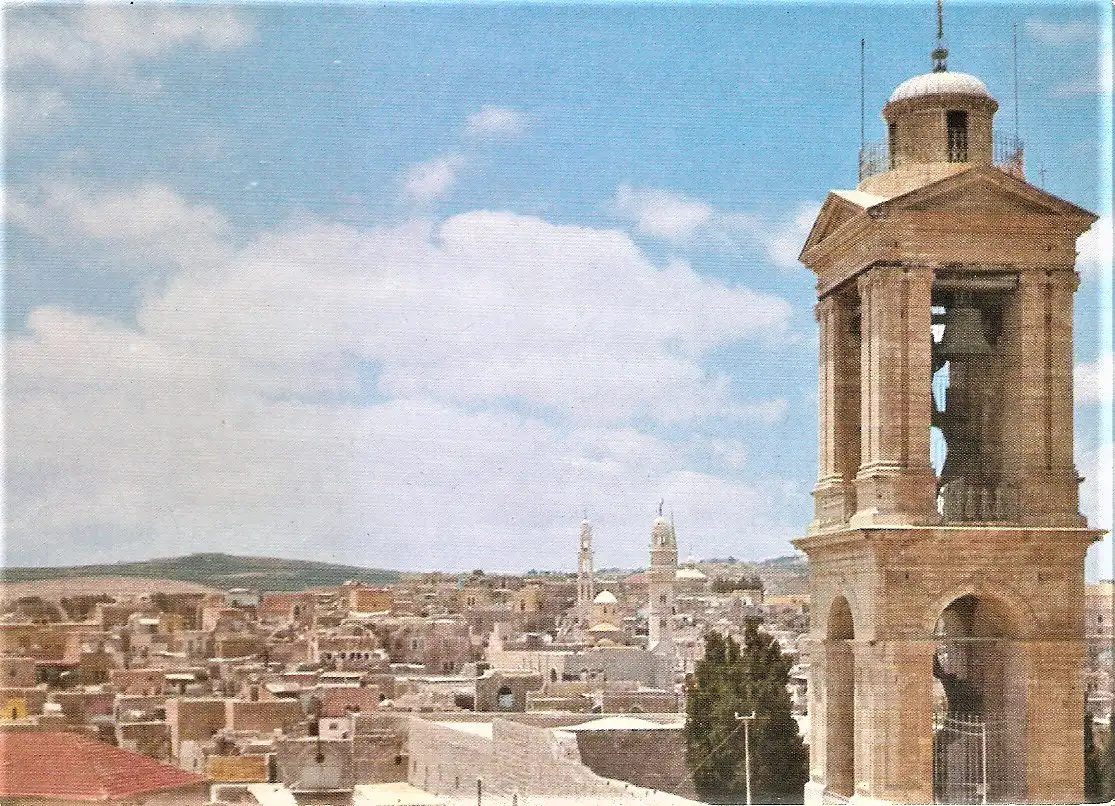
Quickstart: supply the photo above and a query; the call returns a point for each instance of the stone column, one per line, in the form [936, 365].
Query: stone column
[842, 711]
[1039, 443]
[1054, 722]
[894, 700]
[838, 414]
[895, 484]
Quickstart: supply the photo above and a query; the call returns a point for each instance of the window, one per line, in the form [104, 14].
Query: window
[957, 124]
[892, 143]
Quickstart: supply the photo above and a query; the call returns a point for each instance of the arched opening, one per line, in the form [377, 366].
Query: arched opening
[840, 707]
[979, 704]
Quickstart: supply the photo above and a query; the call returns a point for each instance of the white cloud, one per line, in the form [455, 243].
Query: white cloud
[111, 40]
[1061, 33]
[783, 242]
[237, 410]
[683, 220]
[1094, 248]
[487, 307]
[1092, 382]
[432, 179]
[1095, 492]
[145, 229]
[30, 111]
[662, 213]
[495, 122]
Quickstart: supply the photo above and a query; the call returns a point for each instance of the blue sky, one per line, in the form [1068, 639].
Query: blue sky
[416, 286]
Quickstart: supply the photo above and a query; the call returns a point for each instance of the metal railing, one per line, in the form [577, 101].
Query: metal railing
[979, 503]
[1006, 150]
[959, 758]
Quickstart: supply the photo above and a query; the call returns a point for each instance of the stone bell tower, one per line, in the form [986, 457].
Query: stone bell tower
[947, 596]
[661, 586]
[586, 582]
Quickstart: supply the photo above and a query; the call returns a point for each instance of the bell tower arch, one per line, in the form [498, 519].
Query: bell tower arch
[946, 506]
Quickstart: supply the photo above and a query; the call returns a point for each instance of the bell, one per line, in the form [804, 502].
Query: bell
[964, 332]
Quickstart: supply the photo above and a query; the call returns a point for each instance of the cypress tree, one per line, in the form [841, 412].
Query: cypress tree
[733, 679]
[1094, 783]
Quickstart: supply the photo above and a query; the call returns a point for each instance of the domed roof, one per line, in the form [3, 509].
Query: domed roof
[942, 83]
[605, 597]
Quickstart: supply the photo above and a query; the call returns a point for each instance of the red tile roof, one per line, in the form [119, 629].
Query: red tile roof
[65, 766]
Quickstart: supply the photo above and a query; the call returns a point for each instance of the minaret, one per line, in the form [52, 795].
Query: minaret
[586, 585]
[662, 579]
[947, 603]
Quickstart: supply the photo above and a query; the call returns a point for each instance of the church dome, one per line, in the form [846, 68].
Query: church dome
[940, 83]
[605, 598]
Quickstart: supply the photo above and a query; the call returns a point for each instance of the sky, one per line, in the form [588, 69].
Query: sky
[422, 286]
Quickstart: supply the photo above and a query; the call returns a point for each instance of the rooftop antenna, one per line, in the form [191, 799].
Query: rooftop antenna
[1015, 27]
[940, 54]
[862, 52]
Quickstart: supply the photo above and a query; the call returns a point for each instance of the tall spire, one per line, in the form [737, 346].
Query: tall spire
[940, 54]
[586, 582]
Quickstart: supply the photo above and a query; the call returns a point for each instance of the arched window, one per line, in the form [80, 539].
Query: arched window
[980, 699]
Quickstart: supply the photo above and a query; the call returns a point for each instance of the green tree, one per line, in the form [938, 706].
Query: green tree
[735, 679]
[1105, 752]
[1095, 774]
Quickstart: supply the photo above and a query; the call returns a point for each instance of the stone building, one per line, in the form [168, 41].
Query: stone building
[947, 598]
[505, 690]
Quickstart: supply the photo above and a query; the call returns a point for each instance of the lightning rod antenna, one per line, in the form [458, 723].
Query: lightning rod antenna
[940, 54]
[862, 60]
[1016, 85]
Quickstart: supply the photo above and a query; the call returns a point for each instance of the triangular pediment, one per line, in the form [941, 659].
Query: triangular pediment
[985, 191]
[835, 212]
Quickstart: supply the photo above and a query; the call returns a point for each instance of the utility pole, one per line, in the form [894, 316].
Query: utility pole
[746, 720]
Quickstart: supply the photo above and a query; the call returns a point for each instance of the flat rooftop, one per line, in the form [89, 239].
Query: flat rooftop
[483, 729]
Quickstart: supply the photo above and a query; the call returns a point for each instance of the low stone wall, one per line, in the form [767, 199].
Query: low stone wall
[523, 764]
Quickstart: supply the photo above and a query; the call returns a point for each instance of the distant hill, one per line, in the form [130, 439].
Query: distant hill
[784, 575]
[218, 571]
[780, 575]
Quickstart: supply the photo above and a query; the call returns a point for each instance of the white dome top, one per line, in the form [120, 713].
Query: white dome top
[605, 598]
[943, 83]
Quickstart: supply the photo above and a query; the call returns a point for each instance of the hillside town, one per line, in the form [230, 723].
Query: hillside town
[442, 688]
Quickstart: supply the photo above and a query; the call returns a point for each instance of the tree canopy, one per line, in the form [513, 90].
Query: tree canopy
[734, 679]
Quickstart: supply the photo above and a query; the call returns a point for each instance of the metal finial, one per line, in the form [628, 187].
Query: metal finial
[940, 54]
[661, 504]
